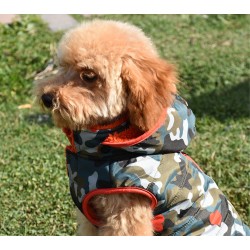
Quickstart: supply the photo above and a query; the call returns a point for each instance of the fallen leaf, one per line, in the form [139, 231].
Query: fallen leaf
[25, 106]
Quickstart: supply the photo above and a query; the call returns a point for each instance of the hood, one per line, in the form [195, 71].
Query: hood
[172, 133]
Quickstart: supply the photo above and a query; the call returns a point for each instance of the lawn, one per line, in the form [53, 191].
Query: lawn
[212, 54]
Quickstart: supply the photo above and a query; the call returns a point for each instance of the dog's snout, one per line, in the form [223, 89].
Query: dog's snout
[47, 100]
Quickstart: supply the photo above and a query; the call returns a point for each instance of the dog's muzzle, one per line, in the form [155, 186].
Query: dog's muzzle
[47, 100]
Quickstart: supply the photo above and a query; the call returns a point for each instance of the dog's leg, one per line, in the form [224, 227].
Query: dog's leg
[85, 228]
[123, 214]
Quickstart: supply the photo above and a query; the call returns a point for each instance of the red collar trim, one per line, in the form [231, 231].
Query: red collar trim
[120, 139]
[126, 138]
[111, 125]
[70, 136]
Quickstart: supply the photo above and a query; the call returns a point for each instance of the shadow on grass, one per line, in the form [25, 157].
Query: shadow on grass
[228, 103]
[40, 119]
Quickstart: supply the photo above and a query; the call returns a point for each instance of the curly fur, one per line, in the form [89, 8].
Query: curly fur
[130, 78]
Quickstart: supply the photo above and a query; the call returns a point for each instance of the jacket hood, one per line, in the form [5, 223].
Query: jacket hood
[172, 133]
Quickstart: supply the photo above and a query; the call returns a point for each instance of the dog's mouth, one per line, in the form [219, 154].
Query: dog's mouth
[61, 115]
[51, 103]
[67, 113]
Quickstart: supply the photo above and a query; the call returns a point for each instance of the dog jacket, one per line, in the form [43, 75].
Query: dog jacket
[184, 200]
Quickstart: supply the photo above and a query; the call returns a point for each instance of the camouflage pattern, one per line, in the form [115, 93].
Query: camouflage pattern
[189, 201]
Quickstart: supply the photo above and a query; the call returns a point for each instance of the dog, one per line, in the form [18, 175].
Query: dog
[117, 102]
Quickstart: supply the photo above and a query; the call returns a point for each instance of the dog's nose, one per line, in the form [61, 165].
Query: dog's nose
[47, 100]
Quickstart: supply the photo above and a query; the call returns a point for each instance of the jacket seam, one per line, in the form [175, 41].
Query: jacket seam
[180, 189]
[187, 223]
[174, 199]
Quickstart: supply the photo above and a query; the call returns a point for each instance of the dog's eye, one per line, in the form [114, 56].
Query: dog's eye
[88, 76]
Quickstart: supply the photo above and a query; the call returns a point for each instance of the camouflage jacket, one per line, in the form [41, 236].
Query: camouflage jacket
[184, 200]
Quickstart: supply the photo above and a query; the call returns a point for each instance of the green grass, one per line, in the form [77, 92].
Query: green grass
[212, 54]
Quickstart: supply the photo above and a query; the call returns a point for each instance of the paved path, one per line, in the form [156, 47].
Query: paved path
[56, 22]
[59, 22]
[7, 18]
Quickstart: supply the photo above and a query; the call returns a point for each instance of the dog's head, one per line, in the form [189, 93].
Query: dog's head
[107, 69]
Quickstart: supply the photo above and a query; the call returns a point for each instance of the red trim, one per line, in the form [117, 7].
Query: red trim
[89, 213]
[190, 159]
[111, 125]
[70, 135]
[141, 138]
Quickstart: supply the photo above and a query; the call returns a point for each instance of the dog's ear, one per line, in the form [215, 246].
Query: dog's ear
[151, 85]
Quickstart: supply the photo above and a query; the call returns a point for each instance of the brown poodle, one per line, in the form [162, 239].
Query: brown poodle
[110, 72]
[107, 69]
